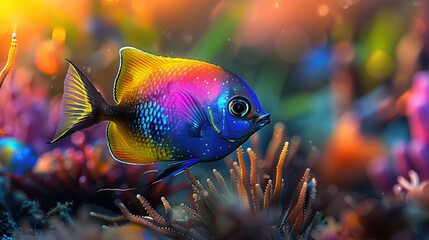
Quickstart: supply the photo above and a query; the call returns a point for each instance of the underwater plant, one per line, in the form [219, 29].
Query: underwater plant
[249, 206]
[77, 173]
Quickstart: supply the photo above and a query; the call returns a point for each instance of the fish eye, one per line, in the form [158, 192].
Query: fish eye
[239, 107]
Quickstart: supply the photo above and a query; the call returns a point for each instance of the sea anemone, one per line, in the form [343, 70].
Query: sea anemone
[248, 207]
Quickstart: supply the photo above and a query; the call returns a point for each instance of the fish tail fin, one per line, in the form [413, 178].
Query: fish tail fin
[81, 106]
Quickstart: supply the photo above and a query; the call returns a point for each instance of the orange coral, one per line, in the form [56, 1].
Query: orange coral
[348, 152]
[239, 209]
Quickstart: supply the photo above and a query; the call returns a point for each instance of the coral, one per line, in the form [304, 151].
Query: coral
[403, 215]
[413, 190]
[366, 219]
[21, 216]
[414, 154]
[10, 59]
[347, 153]
[245, 208]
[30, 115]
[26, 108]
[77, 173]
[83, 228]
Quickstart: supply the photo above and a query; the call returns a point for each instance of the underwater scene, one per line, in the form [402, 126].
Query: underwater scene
[214, 119]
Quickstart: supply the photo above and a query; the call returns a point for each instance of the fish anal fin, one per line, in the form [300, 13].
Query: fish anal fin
[122, 150]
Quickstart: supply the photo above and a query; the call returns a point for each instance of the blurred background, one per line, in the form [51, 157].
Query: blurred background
[337, 73]
[310, 62]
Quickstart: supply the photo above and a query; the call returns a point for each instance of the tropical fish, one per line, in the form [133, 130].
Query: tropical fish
[166, 109]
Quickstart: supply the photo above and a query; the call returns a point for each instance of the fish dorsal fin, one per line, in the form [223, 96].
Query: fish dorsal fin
[135, 66]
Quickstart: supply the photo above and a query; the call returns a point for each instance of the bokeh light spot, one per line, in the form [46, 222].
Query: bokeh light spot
[323, 10]
[4, 27]
[138, 6]
[276, 5]
[59, 35]
[292, 44]
[379, 65]
[420, 25]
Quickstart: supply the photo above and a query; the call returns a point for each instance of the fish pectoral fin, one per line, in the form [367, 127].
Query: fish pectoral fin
[191, 111]
[174, 169]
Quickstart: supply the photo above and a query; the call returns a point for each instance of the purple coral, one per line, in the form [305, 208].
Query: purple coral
[415, 154]
[30, 115]
[412, 155]
[418, 108]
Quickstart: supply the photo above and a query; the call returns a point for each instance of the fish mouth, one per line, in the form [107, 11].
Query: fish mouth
[260, 121]
[263, 119]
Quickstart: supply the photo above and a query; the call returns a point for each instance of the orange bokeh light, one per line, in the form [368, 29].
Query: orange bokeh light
[323, 10]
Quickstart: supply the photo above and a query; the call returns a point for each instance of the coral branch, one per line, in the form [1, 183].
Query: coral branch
[279, 170]
[10, 59]
[253, 178]
[212, 189]
[274, 144]
[221, 182]
[106, 218]
[267, 195]
[227, 214]
[415, 190]
[150, 211]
